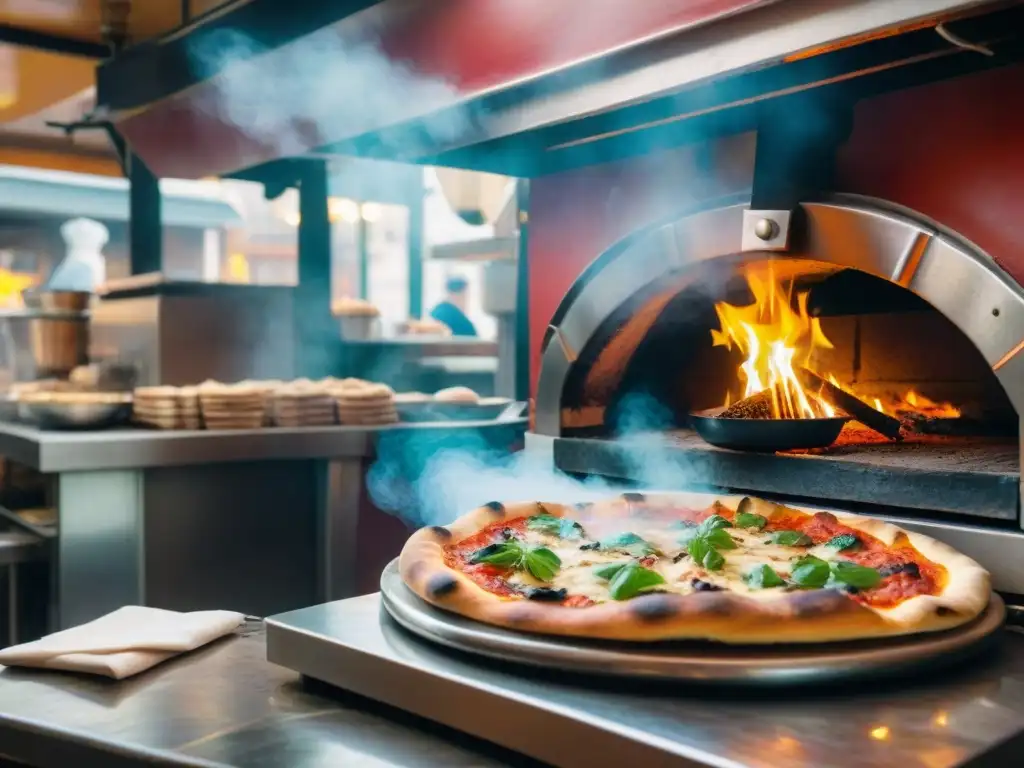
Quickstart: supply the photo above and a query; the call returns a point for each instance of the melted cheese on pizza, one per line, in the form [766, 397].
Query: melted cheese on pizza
[900, 572]
[578, 577]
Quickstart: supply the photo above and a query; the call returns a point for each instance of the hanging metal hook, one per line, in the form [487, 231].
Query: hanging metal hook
[959, 42]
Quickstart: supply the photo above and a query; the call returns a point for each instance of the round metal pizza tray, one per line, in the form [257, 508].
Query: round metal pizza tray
[697, 662]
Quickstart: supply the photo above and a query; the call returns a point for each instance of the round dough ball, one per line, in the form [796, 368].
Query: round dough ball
[456, 395]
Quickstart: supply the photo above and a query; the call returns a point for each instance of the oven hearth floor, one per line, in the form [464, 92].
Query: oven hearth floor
[968, 476]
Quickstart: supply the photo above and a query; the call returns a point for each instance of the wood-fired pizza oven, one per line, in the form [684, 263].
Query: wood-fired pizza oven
[909, 309]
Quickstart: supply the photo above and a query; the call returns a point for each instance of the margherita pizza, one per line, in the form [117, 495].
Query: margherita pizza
[676, 566]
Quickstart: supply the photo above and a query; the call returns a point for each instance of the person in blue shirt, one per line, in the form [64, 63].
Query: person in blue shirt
[452, 311]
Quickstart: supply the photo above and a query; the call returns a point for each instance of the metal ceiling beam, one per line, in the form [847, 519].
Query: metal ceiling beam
[66, 46]
[156, 69]
[735, 103]
[701, 80]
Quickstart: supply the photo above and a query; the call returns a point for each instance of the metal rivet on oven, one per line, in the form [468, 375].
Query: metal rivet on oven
[766, 229]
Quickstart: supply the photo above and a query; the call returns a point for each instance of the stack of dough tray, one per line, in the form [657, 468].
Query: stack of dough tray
[365, 404]
[302, 403]
[167, 407]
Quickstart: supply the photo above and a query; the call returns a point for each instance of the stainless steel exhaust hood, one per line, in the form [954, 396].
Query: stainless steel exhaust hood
[516, 88]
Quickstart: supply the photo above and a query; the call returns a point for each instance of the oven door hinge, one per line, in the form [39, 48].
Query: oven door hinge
[795, 161]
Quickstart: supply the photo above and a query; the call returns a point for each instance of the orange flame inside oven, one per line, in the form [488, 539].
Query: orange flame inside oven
[912, 402]
[776, 339]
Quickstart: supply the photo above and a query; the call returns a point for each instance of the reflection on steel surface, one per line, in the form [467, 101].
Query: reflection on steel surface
[350, 644]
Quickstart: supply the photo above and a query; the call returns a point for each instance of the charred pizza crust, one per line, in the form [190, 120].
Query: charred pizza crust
[804, 616]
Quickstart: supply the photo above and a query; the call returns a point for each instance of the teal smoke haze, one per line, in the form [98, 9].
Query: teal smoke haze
[430, 479]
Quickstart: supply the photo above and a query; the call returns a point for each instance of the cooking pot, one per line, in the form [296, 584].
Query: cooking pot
[50, 337]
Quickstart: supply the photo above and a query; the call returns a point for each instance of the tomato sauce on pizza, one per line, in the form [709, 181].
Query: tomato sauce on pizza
[684, 550]
[647, 567]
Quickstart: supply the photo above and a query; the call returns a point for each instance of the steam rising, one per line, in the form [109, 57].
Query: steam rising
[430, 478]
[429, 484]
[329, 87]
[340, 86]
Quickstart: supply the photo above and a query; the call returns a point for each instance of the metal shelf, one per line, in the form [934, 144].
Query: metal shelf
[486, 249]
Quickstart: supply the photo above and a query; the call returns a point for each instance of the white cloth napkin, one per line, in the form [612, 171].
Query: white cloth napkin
[123, 643]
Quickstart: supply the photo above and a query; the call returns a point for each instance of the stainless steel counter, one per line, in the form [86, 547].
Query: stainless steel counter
[50, 451]
[259, 521]
[222, 705]
[970, 716]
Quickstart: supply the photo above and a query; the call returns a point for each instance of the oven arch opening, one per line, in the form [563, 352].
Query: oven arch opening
[608, 315]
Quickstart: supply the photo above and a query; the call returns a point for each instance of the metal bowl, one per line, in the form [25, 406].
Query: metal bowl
[766, 435]
[55, 415]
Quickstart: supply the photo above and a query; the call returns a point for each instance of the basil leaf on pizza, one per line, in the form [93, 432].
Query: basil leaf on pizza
[629, 543]
[713, 560]
[720, 539]
[562, 527]
[791, 539]
[717, 537]
[698, 547]
[542, 563]
[704, 553]
[620, 540]
[631, 580]
[750, 521]
[843, 541]
[607, 572]
[713, 523]
[853, 575]
[506, 553]
[810, 571]
[763, 576]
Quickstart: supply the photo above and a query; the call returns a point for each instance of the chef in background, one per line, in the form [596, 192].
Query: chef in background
[452, 311]
[83, 267]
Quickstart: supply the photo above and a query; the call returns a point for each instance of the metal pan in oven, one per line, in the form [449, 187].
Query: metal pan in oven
[766, 435]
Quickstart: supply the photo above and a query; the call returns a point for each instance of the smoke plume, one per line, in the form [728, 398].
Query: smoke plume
[429, 477]
[342, 86]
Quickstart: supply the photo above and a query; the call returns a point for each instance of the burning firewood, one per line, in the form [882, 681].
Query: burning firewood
[962, 426]
[857, 408]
